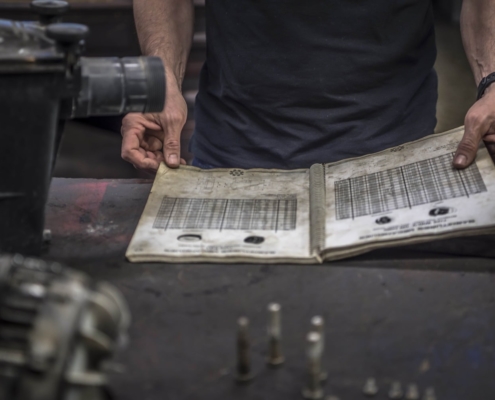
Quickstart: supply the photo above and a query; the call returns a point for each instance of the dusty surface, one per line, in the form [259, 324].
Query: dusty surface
[407, 314]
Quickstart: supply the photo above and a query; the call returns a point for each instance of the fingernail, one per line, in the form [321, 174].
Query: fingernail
[461, 160]
[173, 159]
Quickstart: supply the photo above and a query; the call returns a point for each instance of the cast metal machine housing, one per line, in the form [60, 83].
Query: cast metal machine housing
[58, 331]
[44, 81]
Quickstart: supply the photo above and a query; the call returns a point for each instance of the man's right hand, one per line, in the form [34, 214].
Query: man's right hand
[149, 139]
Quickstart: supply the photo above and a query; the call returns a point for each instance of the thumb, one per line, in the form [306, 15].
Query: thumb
[171, 148]
[468, 147]
[172, 128]
[173, 119]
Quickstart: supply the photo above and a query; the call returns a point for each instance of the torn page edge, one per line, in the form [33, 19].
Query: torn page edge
[317, 209]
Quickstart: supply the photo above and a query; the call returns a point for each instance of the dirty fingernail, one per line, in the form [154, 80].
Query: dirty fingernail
[172, 159]
[461, 160]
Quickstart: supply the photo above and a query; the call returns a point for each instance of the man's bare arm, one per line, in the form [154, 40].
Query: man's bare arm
[478, 36]
[165, 29]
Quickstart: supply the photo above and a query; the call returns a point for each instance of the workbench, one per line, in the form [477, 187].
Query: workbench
[422, 314]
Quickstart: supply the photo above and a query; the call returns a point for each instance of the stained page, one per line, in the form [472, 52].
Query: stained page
[408, 192]
[225, 215]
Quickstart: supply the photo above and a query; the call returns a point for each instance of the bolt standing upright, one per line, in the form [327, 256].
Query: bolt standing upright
[313, 389]
[244, 373]
[318, 325]
[275, 356]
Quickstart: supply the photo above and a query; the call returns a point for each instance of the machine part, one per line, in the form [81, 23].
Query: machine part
[43, 74]
[275, 355]
[429, 394]
[47, 235]
[112, 86]
[49, 11]
[370, 387]
[318, 325]
[66, 35]
[395, 391]
[57, 331]
[412, 392]
[314, 352]
[244, 373]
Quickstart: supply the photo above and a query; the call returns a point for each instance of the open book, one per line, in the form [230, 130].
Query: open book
[407, 194]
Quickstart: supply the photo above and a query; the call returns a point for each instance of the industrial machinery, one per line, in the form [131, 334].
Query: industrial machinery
[57, 331]
[45, 81]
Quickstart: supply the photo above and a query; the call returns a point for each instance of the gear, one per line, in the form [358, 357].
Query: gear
[57, 331]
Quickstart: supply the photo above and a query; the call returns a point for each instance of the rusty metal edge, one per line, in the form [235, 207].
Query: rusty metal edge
[82, 5]
[114, 5]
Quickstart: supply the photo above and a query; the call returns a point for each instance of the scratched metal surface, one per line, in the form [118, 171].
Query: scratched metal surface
[423, 314]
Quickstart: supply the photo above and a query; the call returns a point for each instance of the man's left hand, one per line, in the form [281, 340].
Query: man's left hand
[478, 125]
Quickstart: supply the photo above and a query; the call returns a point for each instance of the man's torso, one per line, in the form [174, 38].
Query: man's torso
[288, 83]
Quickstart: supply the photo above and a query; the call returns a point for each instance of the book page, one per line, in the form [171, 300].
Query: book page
[225, 215]
[408, 192]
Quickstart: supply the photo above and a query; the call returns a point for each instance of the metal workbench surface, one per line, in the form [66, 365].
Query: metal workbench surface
[422, 314]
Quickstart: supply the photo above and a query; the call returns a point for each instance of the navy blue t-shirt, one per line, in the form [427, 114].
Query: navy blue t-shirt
[290, 83]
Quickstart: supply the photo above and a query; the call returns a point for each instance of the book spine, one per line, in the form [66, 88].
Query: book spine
[317, 207]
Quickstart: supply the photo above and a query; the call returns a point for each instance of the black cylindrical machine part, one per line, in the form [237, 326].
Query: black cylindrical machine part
[112, 86]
